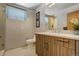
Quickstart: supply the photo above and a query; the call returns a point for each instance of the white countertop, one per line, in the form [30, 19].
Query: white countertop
[63, 35]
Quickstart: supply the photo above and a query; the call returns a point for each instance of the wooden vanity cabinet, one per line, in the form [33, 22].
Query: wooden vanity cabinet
[46, 45]
[65, 47]
[42, 45]
[39, 45]
[55, 46]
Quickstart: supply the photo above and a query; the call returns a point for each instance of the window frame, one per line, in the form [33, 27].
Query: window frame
[25, 13]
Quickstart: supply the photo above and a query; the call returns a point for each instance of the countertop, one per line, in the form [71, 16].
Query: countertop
[63, 35]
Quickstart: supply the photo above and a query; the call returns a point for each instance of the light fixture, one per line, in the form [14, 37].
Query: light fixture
[50, 4]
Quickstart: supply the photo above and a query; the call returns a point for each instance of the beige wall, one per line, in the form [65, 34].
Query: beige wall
[29, 24]
[18, 31]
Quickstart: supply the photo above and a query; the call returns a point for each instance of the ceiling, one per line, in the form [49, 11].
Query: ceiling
[30, 5]
[58, 6]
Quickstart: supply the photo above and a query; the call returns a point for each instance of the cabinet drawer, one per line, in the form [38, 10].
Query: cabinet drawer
[66, 43]
[62, 42]
[69, 43]
[59, 41]
[72, 44]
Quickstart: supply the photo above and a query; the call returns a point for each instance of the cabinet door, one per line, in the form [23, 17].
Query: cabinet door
[39, 45]
[69, 47]
[77, 47]
[59, 46]
[62, 47]
[65, 47]
[72, 49]
[41, 39]
[46, 45]
[53, 46]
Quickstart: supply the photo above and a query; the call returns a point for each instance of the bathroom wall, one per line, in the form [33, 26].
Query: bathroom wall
[60, 14]
[18, 31]
[60, 18]
[29, 24]
[43, 26]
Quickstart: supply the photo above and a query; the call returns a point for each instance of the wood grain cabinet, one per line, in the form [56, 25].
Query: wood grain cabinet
[39, 45]
[55, 46]
[42, 45]
[65, 47]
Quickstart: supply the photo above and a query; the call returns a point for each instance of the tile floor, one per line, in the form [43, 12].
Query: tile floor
[28, 50]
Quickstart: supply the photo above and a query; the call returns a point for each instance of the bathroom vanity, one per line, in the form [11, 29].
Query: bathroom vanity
[57, 44]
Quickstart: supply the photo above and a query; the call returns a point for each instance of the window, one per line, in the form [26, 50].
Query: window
[14, 13]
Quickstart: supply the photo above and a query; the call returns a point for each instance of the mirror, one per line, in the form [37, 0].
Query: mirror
[71, 18]
[50, 22]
